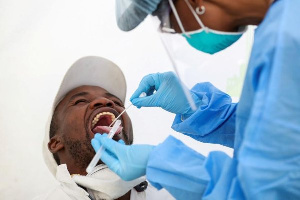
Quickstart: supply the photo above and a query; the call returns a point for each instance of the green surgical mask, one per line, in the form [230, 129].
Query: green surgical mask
[205, 39]
[211, 41]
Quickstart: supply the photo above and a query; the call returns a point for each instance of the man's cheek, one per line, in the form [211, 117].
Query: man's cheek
[76, 118]
[74, 126]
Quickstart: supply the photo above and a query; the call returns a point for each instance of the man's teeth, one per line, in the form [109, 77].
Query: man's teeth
[97, 117]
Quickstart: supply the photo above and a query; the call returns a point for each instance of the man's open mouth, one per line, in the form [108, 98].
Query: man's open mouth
[102, 121]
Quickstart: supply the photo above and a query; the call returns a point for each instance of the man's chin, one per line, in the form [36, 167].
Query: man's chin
[80, 151]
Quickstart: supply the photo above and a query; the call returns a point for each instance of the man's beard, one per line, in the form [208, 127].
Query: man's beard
[80, 150]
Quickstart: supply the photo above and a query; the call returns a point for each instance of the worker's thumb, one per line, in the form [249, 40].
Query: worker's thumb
[109, 144]
[147, 85]
[148, 101]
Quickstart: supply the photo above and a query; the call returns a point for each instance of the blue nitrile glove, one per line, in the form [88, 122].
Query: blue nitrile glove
[169, 94]
[128, 161]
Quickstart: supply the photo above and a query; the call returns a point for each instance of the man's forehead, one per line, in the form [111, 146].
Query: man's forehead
[85, 90]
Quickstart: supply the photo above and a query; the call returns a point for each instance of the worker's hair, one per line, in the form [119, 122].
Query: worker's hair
[53, 129]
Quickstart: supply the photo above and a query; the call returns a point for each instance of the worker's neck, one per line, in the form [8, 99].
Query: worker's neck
[245, 12]
[253, 12]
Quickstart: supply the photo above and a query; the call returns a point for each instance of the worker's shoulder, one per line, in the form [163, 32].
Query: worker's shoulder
[279, 29]
[283, 19]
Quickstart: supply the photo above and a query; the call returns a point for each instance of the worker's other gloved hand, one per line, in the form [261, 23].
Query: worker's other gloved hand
[169, 94]
[128, 161]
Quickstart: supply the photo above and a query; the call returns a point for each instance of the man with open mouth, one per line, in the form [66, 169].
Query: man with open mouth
[90, 97]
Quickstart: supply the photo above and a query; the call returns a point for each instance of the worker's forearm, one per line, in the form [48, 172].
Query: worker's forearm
[214, 121]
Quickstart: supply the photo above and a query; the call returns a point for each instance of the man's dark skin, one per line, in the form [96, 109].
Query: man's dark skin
[74, 114]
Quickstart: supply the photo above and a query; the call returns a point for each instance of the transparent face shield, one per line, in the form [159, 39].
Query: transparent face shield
[225, 69]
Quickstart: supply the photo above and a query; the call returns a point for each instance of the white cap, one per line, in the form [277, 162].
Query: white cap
[91, 70]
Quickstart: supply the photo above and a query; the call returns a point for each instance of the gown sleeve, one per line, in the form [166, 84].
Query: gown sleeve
[186, 174]
[214, 121]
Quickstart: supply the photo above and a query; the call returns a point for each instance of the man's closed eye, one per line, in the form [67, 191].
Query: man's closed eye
[80, 101]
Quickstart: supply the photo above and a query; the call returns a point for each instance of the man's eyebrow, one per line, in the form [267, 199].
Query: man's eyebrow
[111, 95]
[78, 94]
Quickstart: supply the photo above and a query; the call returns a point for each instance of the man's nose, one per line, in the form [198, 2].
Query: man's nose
[101, 102]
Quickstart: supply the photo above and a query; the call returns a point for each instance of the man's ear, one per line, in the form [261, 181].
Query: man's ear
[55, 144]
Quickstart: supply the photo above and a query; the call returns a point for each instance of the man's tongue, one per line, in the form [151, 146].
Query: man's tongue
[106, 129]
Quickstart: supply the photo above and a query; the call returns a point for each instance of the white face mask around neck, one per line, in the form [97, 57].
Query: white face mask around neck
[104, 184]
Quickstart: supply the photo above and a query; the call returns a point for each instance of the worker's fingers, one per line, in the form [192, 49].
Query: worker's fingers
[151, 91]
[98, 136]
[146, 85]
[110, 145]
[144, 102]
[110, 160]
[96, 141]
[121, 141]
[96, 144]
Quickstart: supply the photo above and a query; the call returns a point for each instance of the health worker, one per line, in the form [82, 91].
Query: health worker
[263, 129]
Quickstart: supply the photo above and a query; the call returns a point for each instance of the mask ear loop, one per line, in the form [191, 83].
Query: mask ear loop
[177, 17]
[196, 16]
